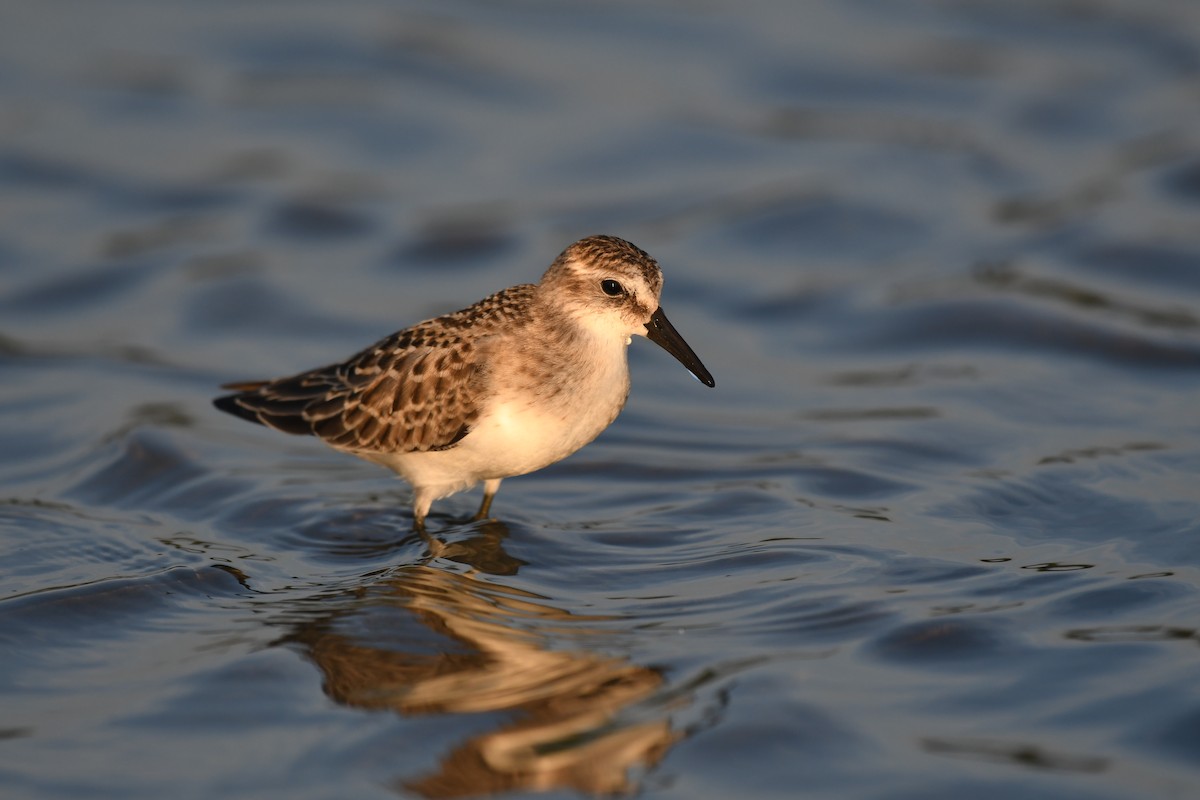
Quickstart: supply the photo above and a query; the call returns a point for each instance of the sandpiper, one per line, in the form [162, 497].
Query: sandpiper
[512, 384]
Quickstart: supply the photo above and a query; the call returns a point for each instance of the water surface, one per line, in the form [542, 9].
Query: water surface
[936, 533]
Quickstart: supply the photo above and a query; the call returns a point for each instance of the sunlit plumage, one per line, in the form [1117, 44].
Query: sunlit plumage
[509, 385]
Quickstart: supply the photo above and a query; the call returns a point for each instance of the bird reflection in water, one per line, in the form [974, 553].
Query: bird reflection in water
[579, 720]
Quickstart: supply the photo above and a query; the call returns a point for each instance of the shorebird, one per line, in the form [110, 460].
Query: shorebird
[509, 385]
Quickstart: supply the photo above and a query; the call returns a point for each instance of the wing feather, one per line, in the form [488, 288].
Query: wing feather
[416, 390]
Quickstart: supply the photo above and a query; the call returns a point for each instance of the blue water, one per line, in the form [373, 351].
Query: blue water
[936, 533]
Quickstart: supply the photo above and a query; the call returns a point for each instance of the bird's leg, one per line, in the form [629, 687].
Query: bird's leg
[422, 500]
[490, 487]
[421, 503]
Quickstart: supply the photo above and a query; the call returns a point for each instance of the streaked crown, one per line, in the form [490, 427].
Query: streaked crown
[605, 282]
[599, 253]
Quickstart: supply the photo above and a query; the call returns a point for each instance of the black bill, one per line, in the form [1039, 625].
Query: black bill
[660, 331]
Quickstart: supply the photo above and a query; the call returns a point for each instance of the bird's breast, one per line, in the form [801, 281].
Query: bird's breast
[532, 420]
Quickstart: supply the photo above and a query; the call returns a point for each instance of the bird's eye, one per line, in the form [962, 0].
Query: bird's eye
[612, 288]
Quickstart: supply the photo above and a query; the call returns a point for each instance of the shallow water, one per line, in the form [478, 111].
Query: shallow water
[936, 534]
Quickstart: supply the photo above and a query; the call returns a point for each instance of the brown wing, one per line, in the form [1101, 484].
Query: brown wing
[419, 389]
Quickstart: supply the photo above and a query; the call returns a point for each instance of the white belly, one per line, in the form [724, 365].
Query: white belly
[518, 432]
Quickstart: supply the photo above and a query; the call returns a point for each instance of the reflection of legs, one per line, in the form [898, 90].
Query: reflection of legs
[490, 487]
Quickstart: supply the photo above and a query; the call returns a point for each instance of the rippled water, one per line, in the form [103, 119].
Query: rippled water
[936, 534]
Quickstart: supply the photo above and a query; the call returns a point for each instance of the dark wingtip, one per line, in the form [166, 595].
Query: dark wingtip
[244, 386]
[229, 404]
